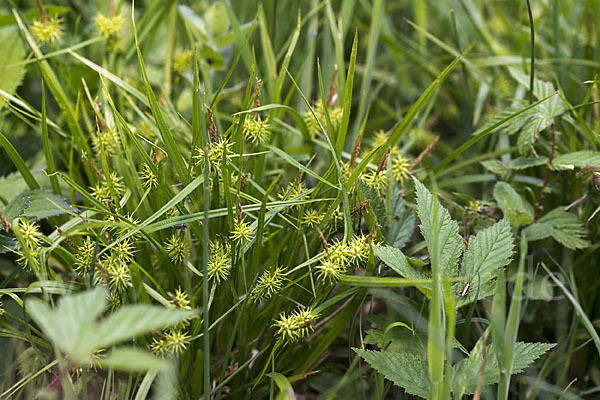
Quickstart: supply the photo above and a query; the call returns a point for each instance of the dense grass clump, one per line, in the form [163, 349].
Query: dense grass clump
[323, 199]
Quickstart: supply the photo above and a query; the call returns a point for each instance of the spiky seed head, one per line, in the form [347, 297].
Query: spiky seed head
[268, 284]
[256, 130]
[106, 142]
[107, 26]
[30, 232]
[85, 255]
[119, 277]
[375, 179]
[148, 177]
[176, 249]
[29, 260]
[296, 325]
[182, 62]
[330, 271]
[312, 218]
[400, 168]
[179, 300]
[242, 232]
[48, 31]
[176, 340]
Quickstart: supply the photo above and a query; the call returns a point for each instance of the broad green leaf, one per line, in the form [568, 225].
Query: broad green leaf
[134, 320]
[407, 369]
[132, 359]
[531, 123]
[402, 223]
[37, 205]
[448, 241]
[7, 244]
[375, 201]
[398, 262]
[563, 226]
[286, 391]
[577, 159]
[519, 163]
[18, 161]
[13, 51]
[515, 207]
[487, 252]
[467, 371]
[71, 324]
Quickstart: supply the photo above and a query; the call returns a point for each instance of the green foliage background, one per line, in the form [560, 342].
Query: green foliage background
[144, 160]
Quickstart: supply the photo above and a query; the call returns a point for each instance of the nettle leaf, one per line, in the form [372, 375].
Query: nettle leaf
[507, 112]
[466, 372]
[74, 327]
[516, 208]
[13, 51]
[131, 359]
[375, 201]
[448, 241]
[397, 261]
[71, 323]
[579, 159]
[407, 369]
[488, 251]
[134, 320]
[7, 244]
[37, 205]
[539, 118]
[535, 121]
[519, 163]
[402, 225]
[563, 226]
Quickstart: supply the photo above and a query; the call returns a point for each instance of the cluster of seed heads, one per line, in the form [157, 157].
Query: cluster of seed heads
[335, 115]
[340, 256]
[268, 284]
[31, 237]
[256, 130]
[296, 325]
[219, 261]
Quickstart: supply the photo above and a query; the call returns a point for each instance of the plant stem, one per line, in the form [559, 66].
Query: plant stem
[539, 203]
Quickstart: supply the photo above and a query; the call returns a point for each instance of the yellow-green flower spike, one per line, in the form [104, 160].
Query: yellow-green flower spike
[48, 31]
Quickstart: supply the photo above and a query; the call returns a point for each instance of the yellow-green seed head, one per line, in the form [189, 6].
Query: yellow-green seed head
[242, 233]
[48, 31]
[256, 130]
[108, 26]
[176, 249]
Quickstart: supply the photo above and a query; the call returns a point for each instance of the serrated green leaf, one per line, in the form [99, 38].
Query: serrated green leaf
[448, 241]
[515, 207]
[398, 262]
[467, 371]
[134, 320]
[507, 112]
[132, 359]
[402, 225]
[13, 51]
[375, 201]
[37, 205]
[540, 117]
[521, 163]
[495, 166]
[74, 328]
[536, 121]
[407, 369]
[71, 323]
[487, 252]
[563, 226]
[579, 159]
[7, 244]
